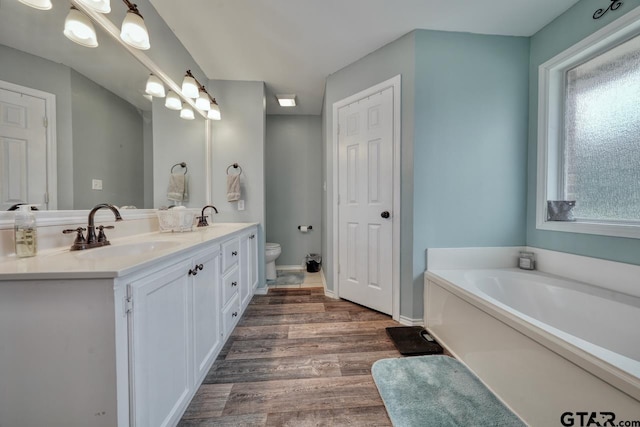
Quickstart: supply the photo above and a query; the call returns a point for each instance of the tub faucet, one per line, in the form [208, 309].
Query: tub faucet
[202, 220]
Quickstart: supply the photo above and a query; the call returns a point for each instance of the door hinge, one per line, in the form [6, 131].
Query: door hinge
[128, 304]
[338, 199]
[46, 197]
[45, 122]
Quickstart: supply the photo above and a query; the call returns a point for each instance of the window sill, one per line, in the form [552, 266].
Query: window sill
[631, 231]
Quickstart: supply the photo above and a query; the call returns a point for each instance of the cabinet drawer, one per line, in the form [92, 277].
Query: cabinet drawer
[230, 253]
[231, 315]
[230, 284]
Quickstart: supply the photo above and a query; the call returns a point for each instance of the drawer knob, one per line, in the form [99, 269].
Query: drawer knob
[253, 236]
[193, 272]
[234, 283]
[234, 253]
[199, 267]
[234, 314]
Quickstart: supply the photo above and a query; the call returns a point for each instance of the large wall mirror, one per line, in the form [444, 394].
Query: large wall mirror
[103, 145]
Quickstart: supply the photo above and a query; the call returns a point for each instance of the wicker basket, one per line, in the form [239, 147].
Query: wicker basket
[176, 219]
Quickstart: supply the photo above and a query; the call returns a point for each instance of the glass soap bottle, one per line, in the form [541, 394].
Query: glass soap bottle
[25, 232]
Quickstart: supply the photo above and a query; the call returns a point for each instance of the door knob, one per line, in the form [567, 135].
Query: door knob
[385, 214]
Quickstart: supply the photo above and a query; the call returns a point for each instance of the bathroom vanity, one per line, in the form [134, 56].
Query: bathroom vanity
[121, 335]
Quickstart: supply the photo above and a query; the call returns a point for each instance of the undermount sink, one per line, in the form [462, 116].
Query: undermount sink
[127, 249]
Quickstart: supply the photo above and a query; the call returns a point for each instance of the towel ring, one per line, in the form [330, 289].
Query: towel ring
[181, 164]
[235, 166]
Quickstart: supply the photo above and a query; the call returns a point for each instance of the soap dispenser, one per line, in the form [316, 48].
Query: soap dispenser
[25, 232]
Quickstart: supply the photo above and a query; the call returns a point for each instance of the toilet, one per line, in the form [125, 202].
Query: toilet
[272, 252]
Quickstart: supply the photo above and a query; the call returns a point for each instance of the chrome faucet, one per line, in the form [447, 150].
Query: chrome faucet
[202, 220]
[93, 241]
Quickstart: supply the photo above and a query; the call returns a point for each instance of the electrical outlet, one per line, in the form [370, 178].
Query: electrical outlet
[96, 184]
[240, 205]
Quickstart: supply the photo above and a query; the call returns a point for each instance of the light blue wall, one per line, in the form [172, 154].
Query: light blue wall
[565, 31]
[395, 58]
[470, 144]
[107, 145]
[293, 174]
[240, 138]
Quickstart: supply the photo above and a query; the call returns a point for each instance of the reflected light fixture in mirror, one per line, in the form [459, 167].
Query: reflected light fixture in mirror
[203, 102]
[189, 86]
[100, 6]
[173, 101]
[38, 4]
[187, 113]
[79, 29]
[214, 112]
[155, 87]
[134, 32]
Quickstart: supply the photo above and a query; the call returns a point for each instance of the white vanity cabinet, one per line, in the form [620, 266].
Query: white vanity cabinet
[248, 266]
[175, 336]
[122, 342]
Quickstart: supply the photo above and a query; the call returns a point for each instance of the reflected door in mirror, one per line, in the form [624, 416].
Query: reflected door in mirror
[23, 149]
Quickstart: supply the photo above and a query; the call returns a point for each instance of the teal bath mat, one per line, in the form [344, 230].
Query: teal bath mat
[437, 391]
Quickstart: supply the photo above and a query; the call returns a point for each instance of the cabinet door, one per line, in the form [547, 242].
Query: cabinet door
[253, 260]
[160, 346]
[205, 286]
[245, 291]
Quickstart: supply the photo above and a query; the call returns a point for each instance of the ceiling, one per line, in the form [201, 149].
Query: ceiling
[293, 45]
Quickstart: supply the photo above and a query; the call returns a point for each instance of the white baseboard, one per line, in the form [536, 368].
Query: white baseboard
[411, 322]
[289, 267]
[330, 294]
[261, 291]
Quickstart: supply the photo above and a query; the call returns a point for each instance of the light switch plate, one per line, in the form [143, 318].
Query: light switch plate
[96, 184]
[240, 205]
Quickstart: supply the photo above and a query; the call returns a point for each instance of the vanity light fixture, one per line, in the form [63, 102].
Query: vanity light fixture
[38, 4]
[203, 102]
[187, 113]
[100, 6]
[134, 32]
[155, 86]
[214, 112]
[78, 28]
[173, 101]
[190, 86]
[286, 100]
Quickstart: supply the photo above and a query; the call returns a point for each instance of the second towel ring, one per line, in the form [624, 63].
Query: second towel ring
[181, 164]
[235, 166]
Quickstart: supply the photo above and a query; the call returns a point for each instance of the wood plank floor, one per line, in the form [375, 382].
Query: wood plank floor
[297, 358]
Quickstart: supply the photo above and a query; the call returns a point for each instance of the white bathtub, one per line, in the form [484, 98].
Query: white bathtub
[544, 344]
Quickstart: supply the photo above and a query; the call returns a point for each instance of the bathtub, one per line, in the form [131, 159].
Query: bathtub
[545, 345]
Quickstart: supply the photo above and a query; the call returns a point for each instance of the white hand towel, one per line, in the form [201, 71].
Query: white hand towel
[178, 187]
[233, 187]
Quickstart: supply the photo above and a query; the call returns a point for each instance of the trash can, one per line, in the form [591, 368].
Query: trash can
[313, 263]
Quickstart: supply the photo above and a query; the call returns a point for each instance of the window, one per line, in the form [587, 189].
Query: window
[589, 133]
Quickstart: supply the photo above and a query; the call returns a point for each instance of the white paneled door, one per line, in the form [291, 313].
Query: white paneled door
[23, 149]
[365, 201]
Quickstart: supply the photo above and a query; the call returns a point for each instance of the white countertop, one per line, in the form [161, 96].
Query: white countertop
[62, 263]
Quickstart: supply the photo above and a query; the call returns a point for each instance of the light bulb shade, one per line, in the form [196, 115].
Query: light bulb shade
[203, 102]
[155, 87]
[214, 112]
[78, 28]
[100, 6]
[38, 4]
[190, 87]
[134, 32]
[173, 101]
[187, 113]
